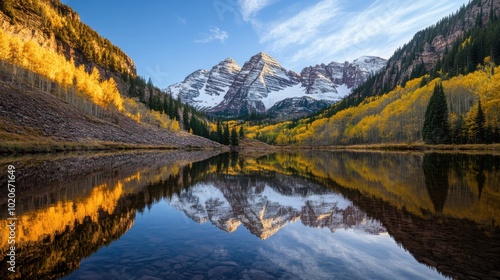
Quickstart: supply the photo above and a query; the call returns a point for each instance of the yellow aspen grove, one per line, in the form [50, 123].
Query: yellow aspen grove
[86, 91]
[4, 46]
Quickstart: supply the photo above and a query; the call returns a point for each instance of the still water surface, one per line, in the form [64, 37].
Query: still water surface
[329, 215]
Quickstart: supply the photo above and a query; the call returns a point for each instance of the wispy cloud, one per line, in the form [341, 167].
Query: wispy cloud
[384, 26]
[216, 34]
[250, 8]
[301, 28]
[335, 30]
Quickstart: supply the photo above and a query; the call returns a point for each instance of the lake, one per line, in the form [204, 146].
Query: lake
[298, 215]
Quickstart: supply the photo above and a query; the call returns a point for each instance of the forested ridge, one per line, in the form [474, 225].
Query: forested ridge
[53, 17]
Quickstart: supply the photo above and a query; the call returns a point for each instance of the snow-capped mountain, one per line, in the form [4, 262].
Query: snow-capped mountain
[263, 85]
[265, 206]
[206, 89]
[258, 83]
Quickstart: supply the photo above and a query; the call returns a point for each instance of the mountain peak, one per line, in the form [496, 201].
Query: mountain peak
[230, 64]
[263, 56]
[229, 61]
[370, 64]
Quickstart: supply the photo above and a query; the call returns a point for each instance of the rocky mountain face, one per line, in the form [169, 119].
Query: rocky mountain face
[262, 85]
[264, 206]
[433, 50]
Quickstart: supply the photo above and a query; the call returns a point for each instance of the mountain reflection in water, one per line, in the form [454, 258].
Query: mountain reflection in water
[264, 204]
[444, 209]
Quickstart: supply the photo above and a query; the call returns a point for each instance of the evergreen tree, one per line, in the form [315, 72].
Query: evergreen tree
[165, 106]
[151, 101]
[436, 129]
[185, 118]
[459, 131]
[219, 132]
[479, 129]
[175, 108]
[241, 133]
[141, 90]
[234, 137]
[225, 135]
[150, 86]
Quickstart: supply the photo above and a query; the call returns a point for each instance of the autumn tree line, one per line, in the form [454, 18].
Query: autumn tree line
[29, 64]
[399, 116]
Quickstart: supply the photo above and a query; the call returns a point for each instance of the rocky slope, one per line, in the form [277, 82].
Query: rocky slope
[434, 49]
[262, 85]
[38, 118]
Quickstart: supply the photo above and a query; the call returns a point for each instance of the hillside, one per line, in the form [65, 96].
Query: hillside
[33, 120]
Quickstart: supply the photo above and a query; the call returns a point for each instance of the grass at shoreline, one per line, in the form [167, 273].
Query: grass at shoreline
[32, 147]
[248, 146]
[402, 147]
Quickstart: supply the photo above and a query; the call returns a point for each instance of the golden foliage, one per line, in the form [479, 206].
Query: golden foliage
[396, 117]
[55, 67]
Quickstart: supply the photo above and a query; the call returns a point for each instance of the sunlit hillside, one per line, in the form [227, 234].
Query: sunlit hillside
[398, 116]
[63, 78]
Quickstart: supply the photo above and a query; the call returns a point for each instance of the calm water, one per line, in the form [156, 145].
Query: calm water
[328, 215]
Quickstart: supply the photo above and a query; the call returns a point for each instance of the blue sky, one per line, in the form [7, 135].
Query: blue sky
[168, 40]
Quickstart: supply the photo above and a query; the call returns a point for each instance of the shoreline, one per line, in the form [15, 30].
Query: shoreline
[401, 147]
[249, 146]
[11, 148]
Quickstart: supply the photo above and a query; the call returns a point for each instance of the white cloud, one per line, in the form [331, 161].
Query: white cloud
[301, 28]
[216, 34]
[250, 8]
